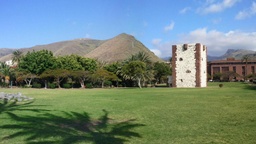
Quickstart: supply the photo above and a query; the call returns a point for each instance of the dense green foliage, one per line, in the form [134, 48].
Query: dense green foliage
[134, 116]
[74, 63]
[162, 70]
[41, 68]
[37, 62]
[134, 70]
[102, 75]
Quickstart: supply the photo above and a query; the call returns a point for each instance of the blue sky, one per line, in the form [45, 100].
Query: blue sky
[158, 24]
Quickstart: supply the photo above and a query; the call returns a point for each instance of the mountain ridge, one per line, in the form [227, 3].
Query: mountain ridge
[233, 53]
[111, 50]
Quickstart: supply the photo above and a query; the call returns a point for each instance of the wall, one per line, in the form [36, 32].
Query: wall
[220, 66]
[203, 66]
[185, 66]
[189, 65]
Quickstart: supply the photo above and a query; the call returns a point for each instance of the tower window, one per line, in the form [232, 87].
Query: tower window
[185, 47]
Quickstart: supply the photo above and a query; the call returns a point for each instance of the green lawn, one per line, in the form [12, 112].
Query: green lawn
[131, 115]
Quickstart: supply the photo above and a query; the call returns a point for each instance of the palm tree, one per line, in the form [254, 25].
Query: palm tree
[141, 56]
[245, 59]
[5, 71]
[139, 74]
[16, 56]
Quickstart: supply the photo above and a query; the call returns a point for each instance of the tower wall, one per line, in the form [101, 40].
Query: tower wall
[189, 65]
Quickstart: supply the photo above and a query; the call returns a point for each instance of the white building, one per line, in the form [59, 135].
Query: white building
[9, 63]
[189, 65]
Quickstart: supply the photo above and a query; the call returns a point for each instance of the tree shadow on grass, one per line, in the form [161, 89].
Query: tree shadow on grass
[249, 86]
[71, 127]
[11, 106]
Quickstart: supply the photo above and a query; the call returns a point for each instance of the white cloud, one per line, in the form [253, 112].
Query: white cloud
[162, 49]
[156, 41]
[216, 41]
[253, 8]
[215, 7]
[169, 27]
[185, 10]
[156, 52]
[219, 42]
[247, 13]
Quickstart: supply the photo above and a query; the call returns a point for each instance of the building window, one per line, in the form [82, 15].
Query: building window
[225, 69]
[234, 69]
[253, 70]
[216, 70]
[243, 70]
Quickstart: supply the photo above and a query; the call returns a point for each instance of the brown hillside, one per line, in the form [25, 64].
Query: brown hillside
[78, 47]
[6, 51]
[120, 48]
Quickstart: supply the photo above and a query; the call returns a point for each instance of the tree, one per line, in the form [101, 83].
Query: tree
[87, 63]
[252, 76]
[245, 59]
[6, 72]
[140, 56]
[75, 62]
[217, 76]
[25, 76]
[144, 77]
[134, 70]
[81, 76]
[160, 70]
[68, 62]
[103, 75]
[37, 62]
[114, 67]
[17, 55]
[58, 74]
[229, 75]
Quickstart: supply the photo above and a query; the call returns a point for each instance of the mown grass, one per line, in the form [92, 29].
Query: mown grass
[131, 115]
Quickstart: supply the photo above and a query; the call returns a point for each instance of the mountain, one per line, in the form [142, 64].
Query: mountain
[116, 49]
[77, 46]
[119, 48]
[6, 51]
[235, 53]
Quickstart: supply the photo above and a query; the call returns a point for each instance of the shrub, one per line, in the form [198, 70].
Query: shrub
[88, 85]
[4, 84]
[66, 85]
[36, 85]
[220, 85]
[107, 83]
[27, 86]
[51, 85]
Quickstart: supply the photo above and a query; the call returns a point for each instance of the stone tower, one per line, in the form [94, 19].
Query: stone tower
[189, 65]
